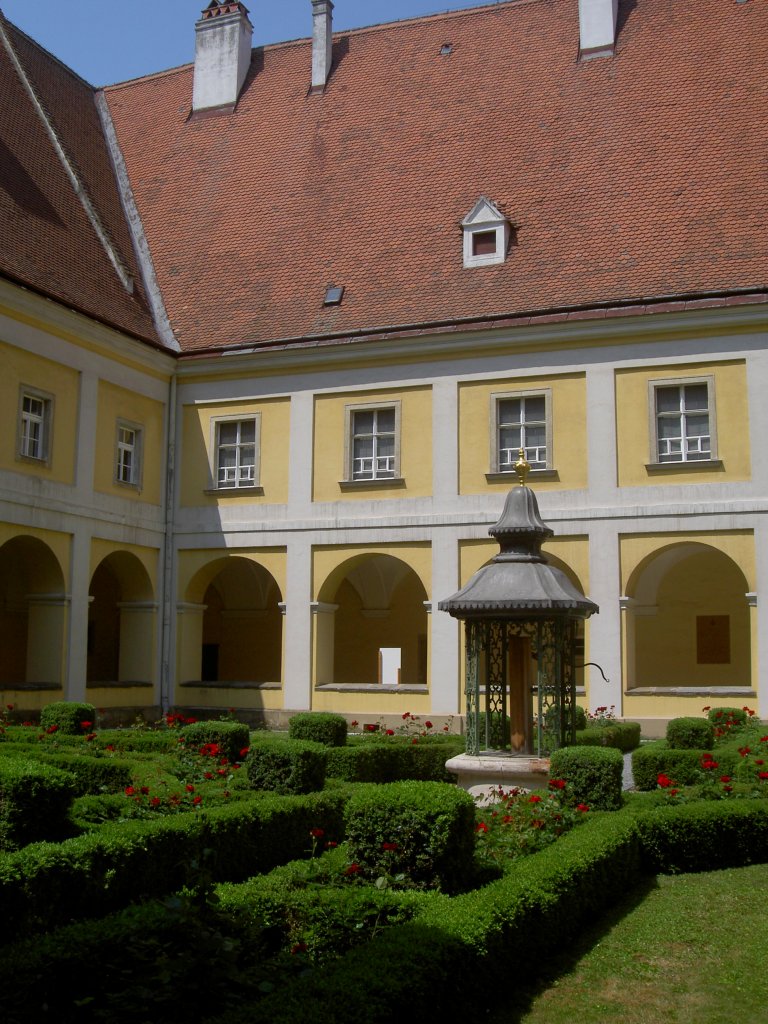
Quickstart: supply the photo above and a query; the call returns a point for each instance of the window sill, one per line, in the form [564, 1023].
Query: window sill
[691, 691]
[136, 488]
[690, 466]
[372, 688]
[368, 485]
[112, 684]
[219, 684]
[535, 474]
[33, 460]
[218, 492]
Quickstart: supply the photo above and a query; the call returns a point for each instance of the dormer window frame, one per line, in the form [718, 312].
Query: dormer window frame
[485, 218]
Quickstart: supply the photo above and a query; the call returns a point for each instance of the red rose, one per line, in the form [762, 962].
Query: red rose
[155, 801]
[144, 790]
[316, 832]
[86, 725]
[129, 790]
[427, 725]
[534, 799]
[664, 781]
[352, 869]
[582, 807]
[390, 732]
[725, 778]
[245, 751]
[557, 783]
[189, 788]
[197, 800]
[389, 846]
[482, 827]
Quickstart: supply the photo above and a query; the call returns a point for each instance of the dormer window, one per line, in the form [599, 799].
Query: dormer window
[486, 235]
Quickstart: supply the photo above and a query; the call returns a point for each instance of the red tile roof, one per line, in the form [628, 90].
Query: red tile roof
[629, 179]
[48, 242]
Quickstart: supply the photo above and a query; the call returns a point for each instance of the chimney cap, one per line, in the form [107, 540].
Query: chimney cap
[219, 7]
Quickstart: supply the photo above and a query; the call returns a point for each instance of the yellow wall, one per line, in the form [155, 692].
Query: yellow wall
[636, 549]
[634, 432]
[659, 629]
[22, 368]
[198, 568]
[569, 431]
[415, 445]
[115, 404]
[329, 564]
[198, 457]
[34, 574]
[356, 637]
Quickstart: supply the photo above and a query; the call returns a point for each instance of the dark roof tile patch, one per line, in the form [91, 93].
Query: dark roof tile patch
[49, 244]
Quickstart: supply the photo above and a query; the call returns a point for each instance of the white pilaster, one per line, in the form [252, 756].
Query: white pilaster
[445, 440]
[601, 435]
[297, 694]
[77, 641]
[759, 609]
[300, 457]
[445, 669]
[605, 627]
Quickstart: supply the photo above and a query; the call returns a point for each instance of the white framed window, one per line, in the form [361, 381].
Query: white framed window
[236, 452]
[486, 234]
[128, 454]
[373, 443]
[682, 414]
[34, 425]
[521, 419]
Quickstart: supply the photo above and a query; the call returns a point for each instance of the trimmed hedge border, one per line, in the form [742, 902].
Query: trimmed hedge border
[394, 761]
[625, 736]
[34, 802]
[436, 964]
[92, 773]
[47, 885]
[683, 766]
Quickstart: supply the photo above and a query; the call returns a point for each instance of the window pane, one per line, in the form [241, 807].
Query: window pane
[363, 422]
[670, 426]
[510, 437]
[386, 420]
[696, 426]
[386, 445]
[247, 455]
[696, 396]
[534, 408]
[668, 399]
[536, 436]
[363, 448]
[484, 243]
[509, 411]
[248, 430]
[228, 433]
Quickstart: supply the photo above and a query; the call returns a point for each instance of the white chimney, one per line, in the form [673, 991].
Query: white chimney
[597, 27]
[223, 38]
[322, 42]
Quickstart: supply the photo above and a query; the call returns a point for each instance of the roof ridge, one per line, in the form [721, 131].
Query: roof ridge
[490, 5]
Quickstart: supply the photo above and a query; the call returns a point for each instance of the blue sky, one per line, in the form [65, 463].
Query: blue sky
[108, 41]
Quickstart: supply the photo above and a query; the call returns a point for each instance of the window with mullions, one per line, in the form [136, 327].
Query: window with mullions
[34, 432]
[522, 422]
[374, 437]
[128, 454]
[236, 453]
[683, 422]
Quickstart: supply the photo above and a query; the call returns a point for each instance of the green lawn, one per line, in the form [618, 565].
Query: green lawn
[686, 949]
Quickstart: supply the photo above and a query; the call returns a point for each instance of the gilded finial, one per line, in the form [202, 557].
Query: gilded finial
[522, 468]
